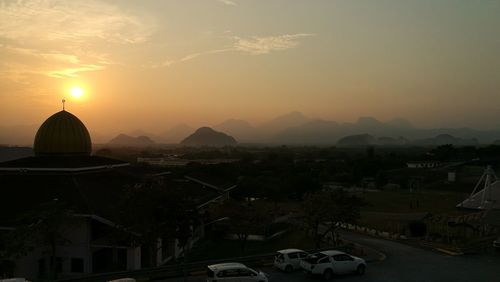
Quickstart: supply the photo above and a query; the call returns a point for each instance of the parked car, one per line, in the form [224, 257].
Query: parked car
[232, 272]
[289, 259]
[496, 244]
[328, 263]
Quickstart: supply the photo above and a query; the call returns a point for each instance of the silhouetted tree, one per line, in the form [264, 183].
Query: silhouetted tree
[158, 212]
[324, 210]
[44, 227]
[243, 220]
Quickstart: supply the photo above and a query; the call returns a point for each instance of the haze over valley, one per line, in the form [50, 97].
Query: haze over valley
[293, 128]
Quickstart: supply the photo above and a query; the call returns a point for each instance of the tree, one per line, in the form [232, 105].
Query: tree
[324, 210]
[243, 220]
[156, 212]
[45, 228]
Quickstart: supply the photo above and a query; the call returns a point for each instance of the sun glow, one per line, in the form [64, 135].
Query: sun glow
[76, 92]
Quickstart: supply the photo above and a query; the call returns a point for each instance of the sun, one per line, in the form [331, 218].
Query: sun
[76, 92]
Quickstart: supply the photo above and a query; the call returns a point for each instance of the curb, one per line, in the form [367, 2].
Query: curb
[381, 255]
[448, 252]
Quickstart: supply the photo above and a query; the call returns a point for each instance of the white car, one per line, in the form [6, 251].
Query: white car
[289, 259]
[328, 263]
[234, 272]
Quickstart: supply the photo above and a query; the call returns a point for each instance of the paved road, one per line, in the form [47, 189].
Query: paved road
[404, 263]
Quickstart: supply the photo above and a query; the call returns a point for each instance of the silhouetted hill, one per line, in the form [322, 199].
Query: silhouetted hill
[496, 142]
[206, 136]
[444, 139]
[313, 132]
[282, 122]
[240, 129]
[329, 132]
[129, 141]
[11, 153]
[357, 140]
[20, 135]
[175, 134]
[400, 123]
[390, 141]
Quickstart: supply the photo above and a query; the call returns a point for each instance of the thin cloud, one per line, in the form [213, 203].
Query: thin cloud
[265, 45]
[73, 72]
[54, 37]
[195, 55]
[254, 45]
[69, 21]
[227, 2]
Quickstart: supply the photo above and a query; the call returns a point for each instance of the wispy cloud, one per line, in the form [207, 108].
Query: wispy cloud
[73, 72]
[227, 2]
[264, 45]
[254, 45]
[195, 55]
[70, 21]
[55, 37]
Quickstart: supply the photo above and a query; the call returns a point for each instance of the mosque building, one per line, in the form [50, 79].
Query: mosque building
[64, 173]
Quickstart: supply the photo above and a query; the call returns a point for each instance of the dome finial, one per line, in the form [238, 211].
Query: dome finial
[63, 101]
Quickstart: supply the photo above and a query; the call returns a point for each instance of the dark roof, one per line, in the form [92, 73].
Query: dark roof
[196, 192]
[212, 178]
[60, 163]
[89, 193]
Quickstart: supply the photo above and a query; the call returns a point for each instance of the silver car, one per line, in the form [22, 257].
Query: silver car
[234, 272]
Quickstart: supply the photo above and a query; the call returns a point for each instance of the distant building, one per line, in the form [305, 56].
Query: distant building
[423, 164]
[176, 161]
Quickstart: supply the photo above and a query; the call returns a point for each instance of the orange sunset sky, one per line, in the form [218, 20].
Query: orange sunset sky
[154, 64]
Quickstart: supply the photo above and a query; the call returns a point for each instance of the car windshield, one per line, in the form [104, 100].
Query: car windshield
[315, 258]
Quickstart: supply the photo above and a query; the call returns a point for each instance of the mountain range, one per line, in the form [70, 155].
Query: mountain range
[293, 128]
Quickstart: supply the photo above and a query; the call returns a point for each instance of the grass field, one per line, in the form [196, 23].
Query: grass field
[406, 202]
[218, 249]
[385, 210]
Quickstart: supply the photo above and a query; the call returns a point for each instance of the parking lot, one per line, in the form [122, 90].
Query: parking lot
[404, 263]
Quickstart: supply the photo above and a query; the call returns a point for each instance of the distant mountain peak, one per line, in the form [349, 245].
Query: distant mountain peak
[228, 123]
[294, 118]
[400, 122]
[368, 121]
[129, 141]
[206, 136]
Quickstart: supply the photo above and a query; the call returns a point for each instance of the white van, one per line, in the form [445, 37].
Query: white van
[234, 272]
[289, 259]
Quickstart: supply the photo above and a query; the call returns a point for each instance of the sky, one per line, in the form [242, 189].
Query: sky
[153, 64]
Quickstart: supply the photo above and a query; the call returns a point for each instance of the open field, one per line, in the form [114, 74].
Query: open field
[406, 202]
[217, 249]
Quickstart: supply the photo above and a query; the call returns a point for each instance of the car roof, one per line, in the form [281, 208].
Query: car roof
[287, 251]
[332, 252]
[227, 265]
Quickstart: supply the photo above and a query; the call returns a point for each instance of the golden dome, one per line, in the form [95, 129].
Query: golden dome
[62, 134]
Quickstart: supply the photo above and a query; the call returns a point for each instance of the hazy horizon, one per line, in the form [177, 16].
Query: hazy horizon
[153, 64]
